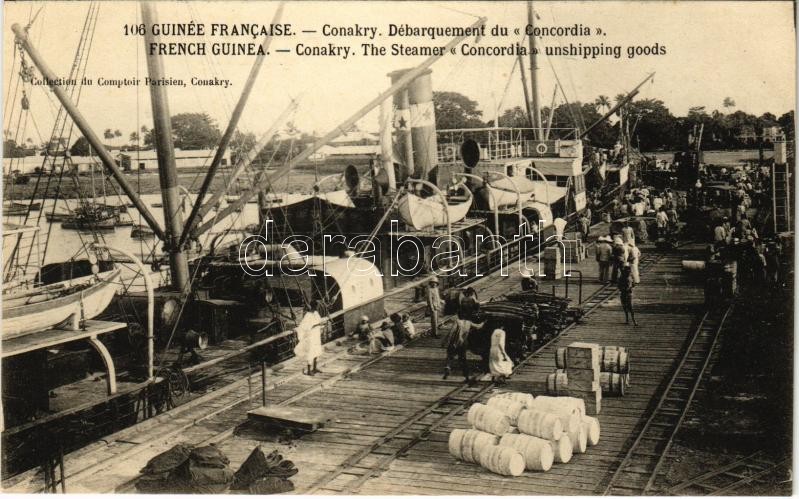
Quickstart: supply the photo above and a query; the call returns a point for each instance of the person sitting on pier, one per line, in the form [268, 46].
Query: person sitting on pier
[309, 338]
[528, 281]
[499, 362]
[363, 331]
[435, 305]
[382, 340]
[626, 285]
[407, 323]
[398, 329]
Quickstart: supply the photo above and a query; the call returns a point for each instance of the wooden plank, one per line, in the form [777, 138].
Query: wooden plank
[53, 337]
[294, 417]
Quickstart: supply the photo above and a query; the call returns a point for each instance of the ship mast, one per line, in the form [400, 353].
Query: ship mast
[165, 147]
[80, 121]
[536, 106]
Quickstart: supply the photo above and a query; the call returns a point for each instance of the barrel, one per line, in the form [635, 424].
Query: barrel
[693, 265]
[508, 407]
[466, 445]
[591, 427]
[579, 439]
[558, 383]
[488, 419]
[560, 358]
[614, 359]
[502, 460]
[540, 424]
[567, 409]
[523, 398]
[612, 383]
[562, 449]
[537, 452]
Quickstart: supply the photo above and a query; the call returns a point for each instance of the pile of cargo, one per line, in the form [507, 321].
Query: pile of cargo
[205, 470]
[588, 371]
[554, 313]
[514, 432]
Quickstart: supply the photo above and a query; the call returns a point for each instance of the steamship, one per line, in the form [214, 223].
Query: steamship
[426, 186]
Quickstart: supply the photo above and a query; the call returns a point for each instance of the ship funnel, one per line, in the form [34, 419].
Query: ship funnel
[415, 121]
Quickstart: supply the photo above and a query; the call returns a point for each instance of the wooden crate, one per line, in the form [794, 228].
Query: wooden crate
[581, 355]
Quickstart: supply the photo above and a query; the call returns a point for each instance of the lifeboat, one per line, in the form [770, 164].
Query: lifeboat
[508, 192]
[425, 213]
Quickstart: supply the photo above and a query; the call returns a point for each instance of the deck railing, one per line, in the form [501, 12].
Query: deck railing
[502, 143]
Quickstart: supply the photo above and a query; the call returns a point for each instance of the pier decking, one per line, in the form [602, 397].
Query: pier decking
[393, 412]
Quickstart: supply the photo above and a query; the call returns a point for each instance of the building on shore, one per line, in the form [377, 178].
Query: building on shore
[147, 160]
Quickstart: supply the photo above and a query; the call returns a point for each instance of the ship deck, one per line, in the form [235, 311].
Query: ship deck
[392, 413]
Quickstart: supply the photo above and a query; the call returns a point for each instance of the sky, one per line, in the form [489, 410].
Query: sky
[743, 50]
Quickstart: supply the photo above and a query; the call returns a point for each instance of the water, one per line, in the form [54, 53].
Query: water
[66, 244]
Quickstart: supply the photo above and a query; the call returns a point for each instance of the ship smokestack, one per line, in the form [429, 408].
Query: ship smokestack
[415, 111]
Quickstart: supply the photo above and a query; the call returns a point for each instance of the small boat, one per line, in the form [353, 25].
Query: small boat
[58, 216]
[45, 307]
[425, 213]
[232, 198]
[141, 232]
[14, 211]
[26, 206]
[80, 222]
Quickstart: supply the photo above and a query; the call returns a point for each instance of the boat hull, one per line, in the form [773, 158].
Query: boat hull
[83, 298]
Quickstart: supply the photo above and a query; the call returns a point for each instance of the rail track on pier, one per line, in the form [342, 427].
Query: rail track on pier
[638, 470]
[393, 412]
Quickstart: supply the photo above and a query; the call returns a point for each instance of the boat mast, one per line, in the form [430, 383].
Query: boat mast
[526, 91]
[83, 125]
[536, 106]
[167, 173]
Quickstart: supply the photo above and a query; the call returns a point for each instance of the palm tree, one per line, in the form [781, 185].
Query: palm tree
[602, 102]
[728, 102]
[134, 137]
[108, 134]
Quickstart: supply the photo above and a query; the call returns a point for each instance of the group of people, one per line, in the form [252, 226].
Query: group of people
[618, 258]
[647, 201]
[399, 329]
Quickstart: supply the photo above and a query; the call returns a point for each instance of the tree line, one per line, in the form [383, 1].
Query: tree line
[651, 125]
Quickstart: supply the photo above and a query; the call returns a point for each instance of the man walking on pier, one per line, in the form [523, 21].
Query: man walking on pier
[626, 285]
[603, 256]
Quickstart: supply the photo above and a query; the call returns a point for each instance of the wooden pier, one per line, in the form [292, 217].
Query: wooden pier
[392, 413]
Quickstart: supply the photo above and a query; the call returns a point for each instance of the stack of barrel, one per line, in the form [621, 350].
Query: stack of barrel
[589, 371]
[516, 431]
